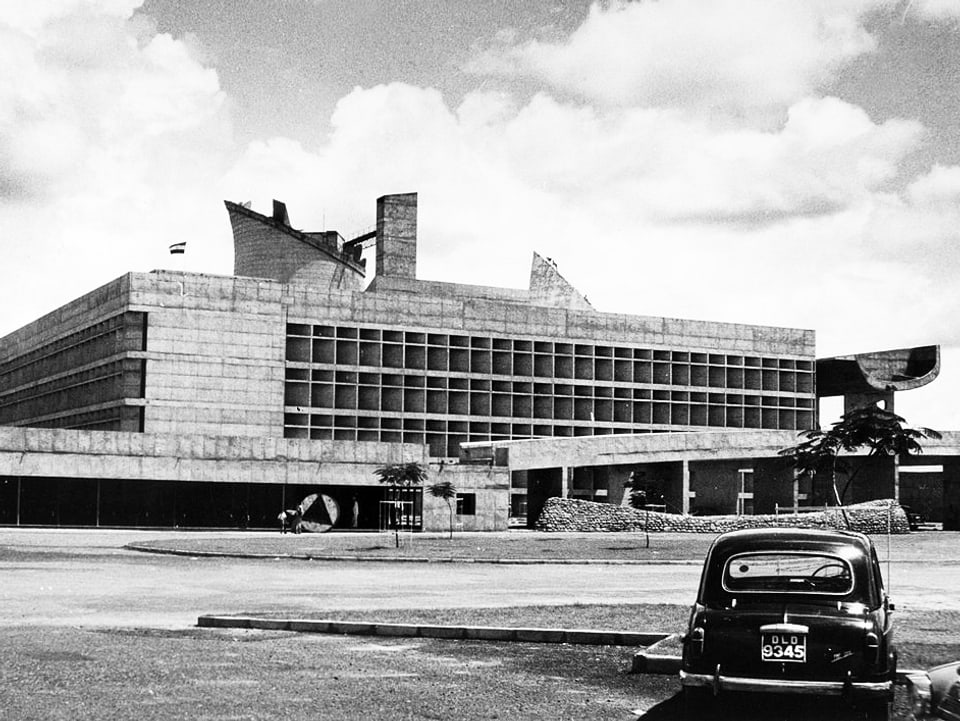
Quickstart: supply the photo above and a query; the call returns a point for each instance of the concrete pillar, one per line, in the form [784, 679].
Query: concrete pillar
[566, 481]
[397, 236]
[616, 477]
[951, 494]
[774, 484]
[717, 485]
[896, 478]
[685, 486]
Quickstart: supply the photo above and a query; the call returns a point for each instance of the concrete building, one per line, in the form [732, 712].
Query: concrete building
[182, 399]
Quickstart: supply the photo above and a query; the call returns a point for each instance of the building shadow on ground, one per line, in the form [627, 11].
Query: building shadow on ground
[753, 708]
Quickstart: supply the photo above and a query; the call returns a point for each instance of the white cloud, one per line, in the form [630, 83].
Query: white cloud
[111, 140]
[31, 17]
[940, 187]
[919, 232]
[650, 186]
[649, 211]
[934, 10]
[735, 57]
[648, 177]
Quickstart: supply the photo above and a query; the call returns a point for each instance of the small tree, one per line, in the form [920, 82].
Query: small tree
[880, 431]
[446, 491]
[401, 476]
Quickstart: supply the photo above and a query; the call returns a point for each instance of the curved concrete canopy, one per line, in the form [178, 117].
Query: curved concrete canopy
[901, 369]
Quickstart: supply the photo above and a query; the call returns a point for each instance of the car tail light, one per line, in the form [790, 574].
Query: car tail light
[696, 640]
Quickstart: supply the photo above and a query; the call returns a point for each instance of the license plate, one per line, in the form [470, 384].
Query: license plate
[783, 647]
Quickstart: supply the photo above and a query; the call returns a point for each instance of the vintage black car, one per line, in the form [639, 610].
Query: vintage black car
[791, 611]
[935, 694]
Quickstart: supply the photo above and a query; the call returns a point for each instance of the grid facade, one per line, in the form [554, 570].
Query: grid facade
[80, 380]
[346, 382]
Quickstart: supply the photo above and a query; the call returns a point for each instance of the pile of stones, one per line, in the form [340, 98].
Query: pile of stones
[568, 514]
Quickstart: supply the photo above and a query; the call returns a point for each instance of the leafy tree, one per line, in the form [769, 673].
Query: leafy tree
[880, 431]
[401, 476]
[446, 491]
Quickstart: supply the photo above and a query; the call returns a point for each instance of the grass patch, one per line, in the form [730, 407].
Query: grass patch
[931, 547]
[152, 674]
[922, 636]
[633, 617]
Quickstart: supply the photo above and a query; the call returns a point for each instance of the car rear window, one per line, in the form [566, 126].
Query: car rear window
[785, 572]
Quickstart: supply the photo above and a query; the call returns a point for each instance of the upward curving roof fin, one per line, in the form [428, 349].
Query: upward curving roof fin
[268, 247]
[548, 287]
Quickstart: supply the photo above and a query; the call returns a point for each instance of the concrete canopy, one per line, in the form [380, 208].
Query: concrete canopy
[888, 370]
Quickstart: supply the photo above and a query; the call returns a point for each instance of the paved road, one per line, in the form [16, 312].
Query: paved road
[85, 578]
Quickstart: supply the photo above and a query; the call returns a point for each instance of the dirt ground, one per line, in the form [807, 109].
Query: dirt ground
[90, 630]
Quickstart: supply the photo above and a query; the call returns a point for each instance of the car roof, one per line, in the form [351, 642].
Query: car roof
[788, 539]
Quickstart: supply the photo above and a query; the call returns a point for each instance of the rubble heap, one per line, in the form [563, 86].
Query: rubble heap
[568, 514]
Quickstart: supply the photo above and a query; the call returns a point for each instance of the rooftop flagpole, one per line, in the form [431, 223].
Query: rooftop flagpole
[177, 252]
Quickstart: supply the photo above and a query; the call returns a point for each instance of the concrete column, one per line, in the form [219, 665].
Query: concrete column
[896, 478]
[685, 485]
[951, 494]
[774, 484]
[566, 480]
[616, 477]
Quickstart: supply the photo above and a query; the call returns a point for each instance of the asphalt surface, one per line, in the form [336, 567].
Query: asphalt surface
[87, 578]
[64, 592]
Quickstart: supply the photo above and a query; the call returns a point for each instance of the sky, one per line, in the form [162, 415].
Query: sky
[769, 162]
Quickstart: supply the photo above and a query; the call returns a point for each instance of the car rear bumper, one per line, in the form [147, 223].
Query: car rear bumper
[856, 689]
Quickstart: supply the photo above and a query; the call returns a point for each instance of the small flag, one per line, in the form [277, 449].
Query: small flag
[178, 248]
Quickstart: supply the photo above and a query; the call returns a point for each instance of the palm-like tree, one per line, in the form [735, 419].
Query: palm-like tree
[401, 476]
[446, 491]
[871, 427]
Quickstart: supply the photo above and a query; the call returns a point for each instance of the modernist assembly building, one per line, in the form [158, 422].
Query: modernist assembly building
[178, 399]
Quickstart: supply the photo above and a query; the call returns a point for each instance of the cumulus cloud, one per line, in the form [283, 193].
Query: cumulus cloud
[31, 17]
[940, 187]
[933, 10]
[679, 158]
[730, 56]
[499, 180]
[919, 230]
[107, 132]
[88, 88]
[827, 156]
